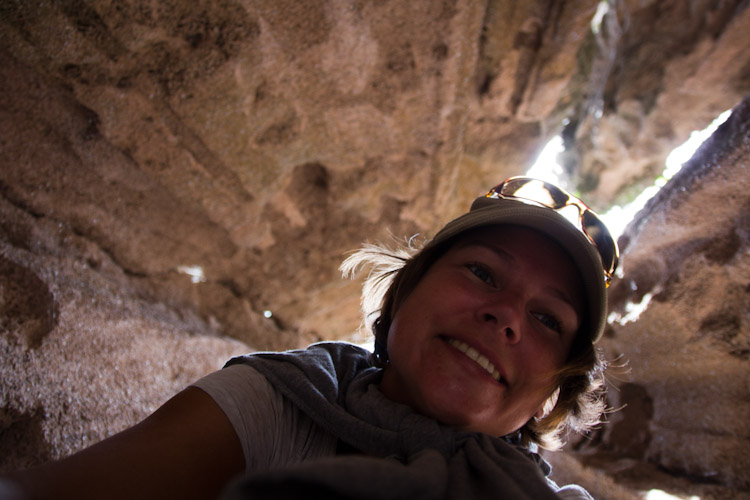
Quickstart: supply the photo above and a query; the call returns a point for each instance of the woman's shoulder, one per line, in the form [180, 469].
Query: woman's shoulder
[320, 353]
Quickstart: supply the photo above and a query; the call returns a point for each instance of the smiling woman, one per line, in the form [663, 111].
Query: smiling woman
[513, 239]
[484, 350]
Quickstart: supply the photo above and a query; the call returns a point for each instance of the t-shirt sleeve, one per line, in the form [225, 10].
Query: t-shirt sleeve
[271, 430]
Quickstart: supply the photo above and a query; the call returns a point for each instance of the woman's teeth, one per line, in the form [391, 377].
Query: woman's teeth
[480, 359]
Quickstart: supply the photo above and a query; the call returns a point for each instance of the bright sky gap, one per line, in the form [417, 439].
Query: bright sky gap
[195, 273]
[617, 218]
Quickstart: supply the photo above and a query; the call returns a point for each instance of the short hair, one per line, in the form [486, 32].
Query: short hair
[578, 402]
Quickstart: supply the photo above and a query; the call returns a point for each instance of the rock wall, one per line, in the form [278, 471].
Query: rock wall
[680, 330]
[252, 143]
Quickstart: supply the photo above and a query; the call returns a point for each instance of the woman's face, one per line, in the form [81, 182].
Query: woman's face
[477, 342]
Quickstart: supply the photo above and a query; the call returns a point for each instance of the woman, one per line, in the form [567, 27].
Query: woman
[483, 351]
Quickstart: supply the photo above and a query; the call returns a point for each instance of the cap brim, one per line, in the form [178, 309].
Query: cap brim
[491, 211]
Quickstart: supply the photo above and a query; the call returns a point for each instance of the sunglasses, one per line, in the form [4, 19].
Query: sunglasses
[538, 192]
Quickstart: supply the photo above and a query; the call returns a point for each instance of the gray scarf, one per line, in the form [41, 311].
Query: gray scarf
[404, 455]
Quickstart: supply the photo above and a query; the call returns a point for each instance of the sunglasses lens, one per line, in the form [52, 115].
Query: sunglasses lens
[535, 190]
[600, 235]
[553, 197]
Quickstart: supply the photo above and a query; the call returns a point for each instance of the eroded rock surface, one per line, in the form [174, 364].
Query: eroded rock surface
[253, 143]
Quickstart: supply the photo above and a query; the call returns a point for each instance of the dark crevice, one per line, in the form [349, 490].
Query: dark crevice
[8, 193]
[22, 441]
[28, 308]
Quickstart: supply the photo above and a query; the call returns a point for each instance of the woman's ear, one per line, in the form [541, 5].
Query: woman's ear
[540, 413]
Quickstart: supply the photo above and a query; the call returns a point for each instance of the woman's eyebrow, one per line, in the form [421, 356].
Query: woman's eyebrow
[563, 296]
[493, 248]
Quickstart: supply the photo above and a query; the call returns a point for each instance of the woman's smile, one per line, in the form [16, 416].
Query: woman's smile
[479, 358]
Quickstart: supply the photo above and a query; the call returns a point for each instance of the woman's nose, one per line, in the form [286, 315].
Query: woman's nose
[504, 317]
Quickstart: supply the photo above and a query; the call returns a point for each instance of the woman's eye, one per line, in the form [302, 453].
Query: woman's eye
[549, 321]
[481, 272]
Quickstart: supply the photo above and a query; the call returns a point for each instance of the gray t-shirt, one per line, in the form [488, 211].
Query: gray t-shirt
[273, 432]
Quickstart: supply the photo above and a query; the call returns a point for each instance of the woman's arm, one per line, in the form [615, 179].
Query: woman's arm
[187, 449]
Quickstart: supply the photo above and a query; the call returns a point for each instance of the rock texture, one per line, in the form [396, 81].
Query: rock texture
[253, 143]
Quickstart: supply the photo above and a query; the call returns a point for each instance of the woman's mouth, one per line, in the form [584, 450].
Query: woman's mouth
[478, 358]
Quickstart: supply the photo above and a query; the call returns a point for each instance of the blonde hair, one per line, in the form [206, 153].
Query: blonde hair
[577, 402]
